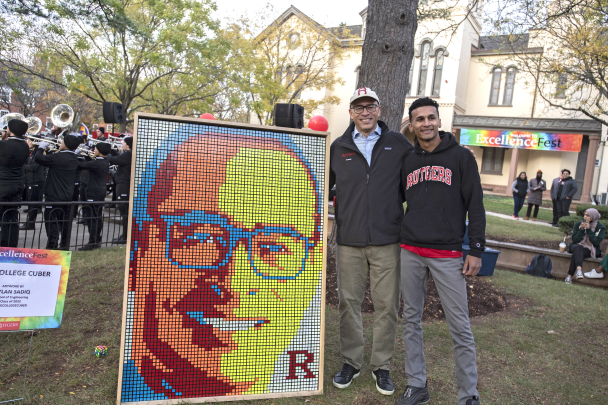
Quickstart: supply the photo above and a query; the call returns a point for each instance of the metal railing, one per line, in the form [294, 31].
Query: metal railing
[61, 225]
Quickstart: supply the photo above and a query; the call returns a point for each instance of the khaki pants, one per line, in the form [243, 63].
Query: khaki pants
[382, 263]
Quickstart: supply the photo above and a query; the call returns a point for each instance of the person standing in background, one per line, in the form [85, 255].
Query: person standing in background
[35, 175]
[58, 187]
[537, 186]
[101, 134]
[520, 188]
[97, 169]
[123, 183]
[13, 155]
[555, 199]
[566, 190]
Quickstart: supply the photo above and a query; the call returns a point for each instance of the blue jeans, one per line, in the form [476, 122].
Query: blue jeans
[519, 202]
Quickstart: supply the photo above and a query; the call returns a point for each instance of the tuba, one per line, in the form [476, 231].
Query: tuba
[8, 117]
[34, 125]
[62, 116]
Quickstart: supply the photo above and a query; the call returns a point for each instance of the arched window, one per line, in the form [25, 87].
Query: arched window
[437, 73]
[424, 67]
[410, 78]
[495, 90]
[507, 99]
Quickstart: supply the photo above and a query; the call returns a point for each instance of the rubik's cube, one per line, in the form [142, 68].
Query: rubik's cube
[101, 351]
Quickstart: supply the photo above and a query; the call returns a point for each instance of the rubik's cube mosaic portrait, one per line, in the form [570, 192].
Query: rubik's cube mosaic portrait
[225, 273]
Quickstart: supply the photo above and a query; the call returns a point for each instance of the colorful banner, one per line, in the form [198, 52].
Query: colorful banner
[521, 140]
[32, 288]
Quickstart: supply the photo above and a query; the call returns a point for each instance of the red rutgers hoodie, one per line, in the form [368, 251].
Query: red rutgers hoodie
[441, 187]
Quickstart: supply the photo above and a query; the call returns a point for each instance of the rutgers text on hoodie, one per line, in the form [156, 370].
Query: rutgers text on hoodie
[440, 188]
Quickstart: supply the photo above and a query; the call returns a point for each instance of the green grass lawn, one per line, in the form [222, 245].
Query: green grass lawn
[504, 205]
[518, 361]
[520, 230]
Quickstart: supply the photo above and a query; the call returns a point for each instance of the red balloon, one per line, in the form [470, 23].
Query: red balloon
[207, 116]
[318, 123]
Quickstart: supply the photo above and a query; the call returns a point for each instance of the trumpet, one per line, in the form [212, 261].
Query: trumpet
[85, 152]
[36, 141]
[112, 144]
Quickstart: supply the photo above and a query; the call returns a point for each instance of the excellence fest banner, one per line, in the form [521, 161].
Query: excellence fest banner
[521, 140]
[33, 284]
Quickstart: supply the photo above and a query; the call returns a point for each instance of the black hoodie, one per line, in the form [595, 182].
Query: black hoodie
[440, 188]
[369, 198]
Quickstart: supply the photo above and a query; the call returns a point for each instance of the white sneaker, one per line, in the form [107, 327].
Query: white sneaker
[568, 280]
[594, 274]
[579, 274]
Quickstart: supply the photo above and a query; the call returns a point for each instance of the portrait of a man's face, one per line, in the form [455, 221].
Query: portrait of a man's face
[226, 263]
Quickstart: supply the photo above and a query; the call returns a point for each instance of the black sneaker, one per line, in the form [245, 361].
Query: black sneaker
[345, 376]
[473, 401]
[384, 384]
[414, 396]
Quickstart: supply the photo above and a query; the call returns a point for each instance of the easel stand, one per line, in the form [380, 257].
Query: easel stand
[26, 364]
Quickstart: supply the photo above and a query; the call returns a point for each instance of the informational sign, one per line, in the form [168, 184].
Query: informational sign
[32, 288]
[521, 140]
[224, 279]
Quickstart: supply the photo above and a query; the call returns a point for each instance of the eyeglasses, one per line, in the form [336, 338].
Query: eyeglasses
[199, 240]
[358, 109]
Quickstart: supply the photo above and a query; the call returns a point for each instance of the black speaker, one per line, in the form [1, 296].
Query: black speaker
[289, 115]
[113, 113]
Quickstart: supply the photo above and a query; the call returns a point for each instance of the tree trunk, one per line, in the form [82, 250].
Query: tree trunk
[388, 50]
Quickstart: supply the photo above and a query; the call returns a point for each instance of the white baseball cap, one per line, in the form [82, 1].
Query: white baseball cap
[364, 92]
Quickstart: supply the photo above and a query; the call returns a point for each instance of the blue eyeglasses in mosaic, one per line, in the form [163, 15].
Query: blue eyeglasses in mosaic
[201, 240]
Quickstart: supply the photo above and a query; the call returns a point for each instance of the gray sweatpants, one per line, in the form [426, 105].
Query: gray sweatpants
[451, 286]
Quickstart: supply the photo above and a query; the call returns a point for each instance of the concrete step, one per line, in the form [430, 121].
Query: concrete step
[516, 257]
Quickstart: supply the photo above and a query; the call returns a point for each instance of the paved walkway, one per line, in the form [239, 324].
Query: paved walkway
[504, 216]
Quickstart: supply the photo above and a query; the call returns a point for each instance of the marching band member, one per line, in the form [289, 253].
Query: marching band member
[13, 155]
[58, 187]
[100, 134]
[96, 191]
[35, 175]
[123, 183]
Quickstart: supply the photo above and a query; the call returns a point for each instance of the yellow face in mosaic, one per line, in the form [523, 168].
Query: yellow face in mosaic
[231, 264]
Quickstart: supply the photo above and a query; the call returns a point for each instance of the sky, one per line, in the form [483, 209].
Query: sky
[329, 13]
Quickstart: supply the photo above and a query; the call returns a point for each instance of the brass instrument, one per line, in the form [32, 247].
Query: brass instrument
[34, 125]
[112, 144]
[8, 117]
[85, 152]
[35, 140]
[62, 116]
